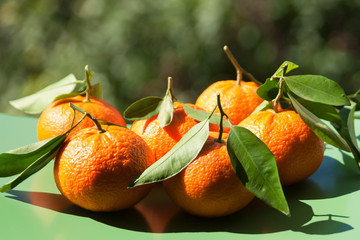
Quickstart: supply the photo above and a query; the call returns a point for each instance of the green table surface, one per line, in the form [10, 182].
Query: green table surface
[325, 206]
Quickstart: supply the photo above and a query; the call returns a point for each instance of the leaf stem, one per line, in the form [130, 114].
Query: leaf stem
[88, 77]
[276, 101]
[222, 114]
[239, 70]
[86, 114]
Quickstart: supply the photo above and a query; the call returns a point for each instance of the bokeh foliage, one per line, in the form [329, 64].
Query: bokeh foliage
[133, 46]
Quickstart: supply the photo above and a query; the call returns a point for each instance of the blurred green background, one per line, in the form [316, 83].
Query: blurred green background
[133, 46]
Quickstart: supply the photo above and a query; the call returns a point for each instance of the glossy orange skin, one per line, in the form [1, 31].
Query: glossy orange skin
[208, 186]
[298, 151]
[162, 140]
[56, 119]
[93, 169]
[238, 101]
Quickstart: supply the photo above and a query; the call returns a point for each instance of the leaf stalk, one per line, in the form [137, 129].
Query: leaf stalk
[86, 114]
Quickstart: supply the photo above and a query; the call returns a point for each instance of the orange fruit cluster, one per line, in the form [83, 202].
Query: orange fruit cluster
[95, 165]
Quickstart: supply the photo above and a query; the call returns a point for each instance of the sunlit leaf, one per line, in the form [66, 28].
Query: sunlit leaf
[256, 167]
[263, 106]
[15, 161]
[290, 66]
[28, 160]
[37, 102]
[144, 108]
[177, 158]
[166, 111]
[317, 88]
[201, 115]
[321, 129]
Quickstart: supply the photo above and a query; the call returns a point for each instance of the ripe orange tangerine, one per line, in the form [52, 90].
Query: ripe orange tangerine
[93, 168]
[161, 140]
[209, 186]
[298, 151]
[58, 116]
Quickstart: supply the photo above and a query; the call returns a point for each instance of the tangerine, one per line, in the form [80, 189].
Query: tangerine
[209, 186]
[238, 100]
[162, 140]
[93, 168]
[298, 151]
[57, 118]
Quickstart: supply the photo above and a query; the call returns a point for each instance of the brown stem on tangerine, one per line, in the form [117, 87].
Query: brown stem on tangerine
[95, 121]
[239, 70]
[235, 64]
[222, 115]
[89, 87]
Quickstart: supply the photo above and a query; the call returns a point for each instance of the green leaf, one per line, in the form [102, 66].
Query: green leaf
[256, 167]
[322, 130]
[317, 88]
[37, 102]
[104, 122]
[30, 159]
[269, 90]
[166, 111]
[263, 106]
[322, 111]
[355, 96]
[177, 158]
[347, 129]
[201, 115]
[290, 66]
[143, 109]
[15, 161]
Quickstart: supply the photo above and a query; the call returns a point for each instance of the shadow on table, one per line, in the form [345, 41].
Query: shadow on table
[332, 179]
[130, 219]
[158, 214]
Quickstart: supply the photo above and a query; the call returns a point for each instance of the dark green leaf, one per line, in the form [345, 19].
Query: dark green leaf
[322, 130]
[322, 111]
[143, 109]
[39, 154]
[177, 158]
[269, 90]
[290, 66]
[15, 161]
[166, 111]
[263, 106]
[347, 129]
[201, 115]
[37, 102]
[256, 167]
[317, 88]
